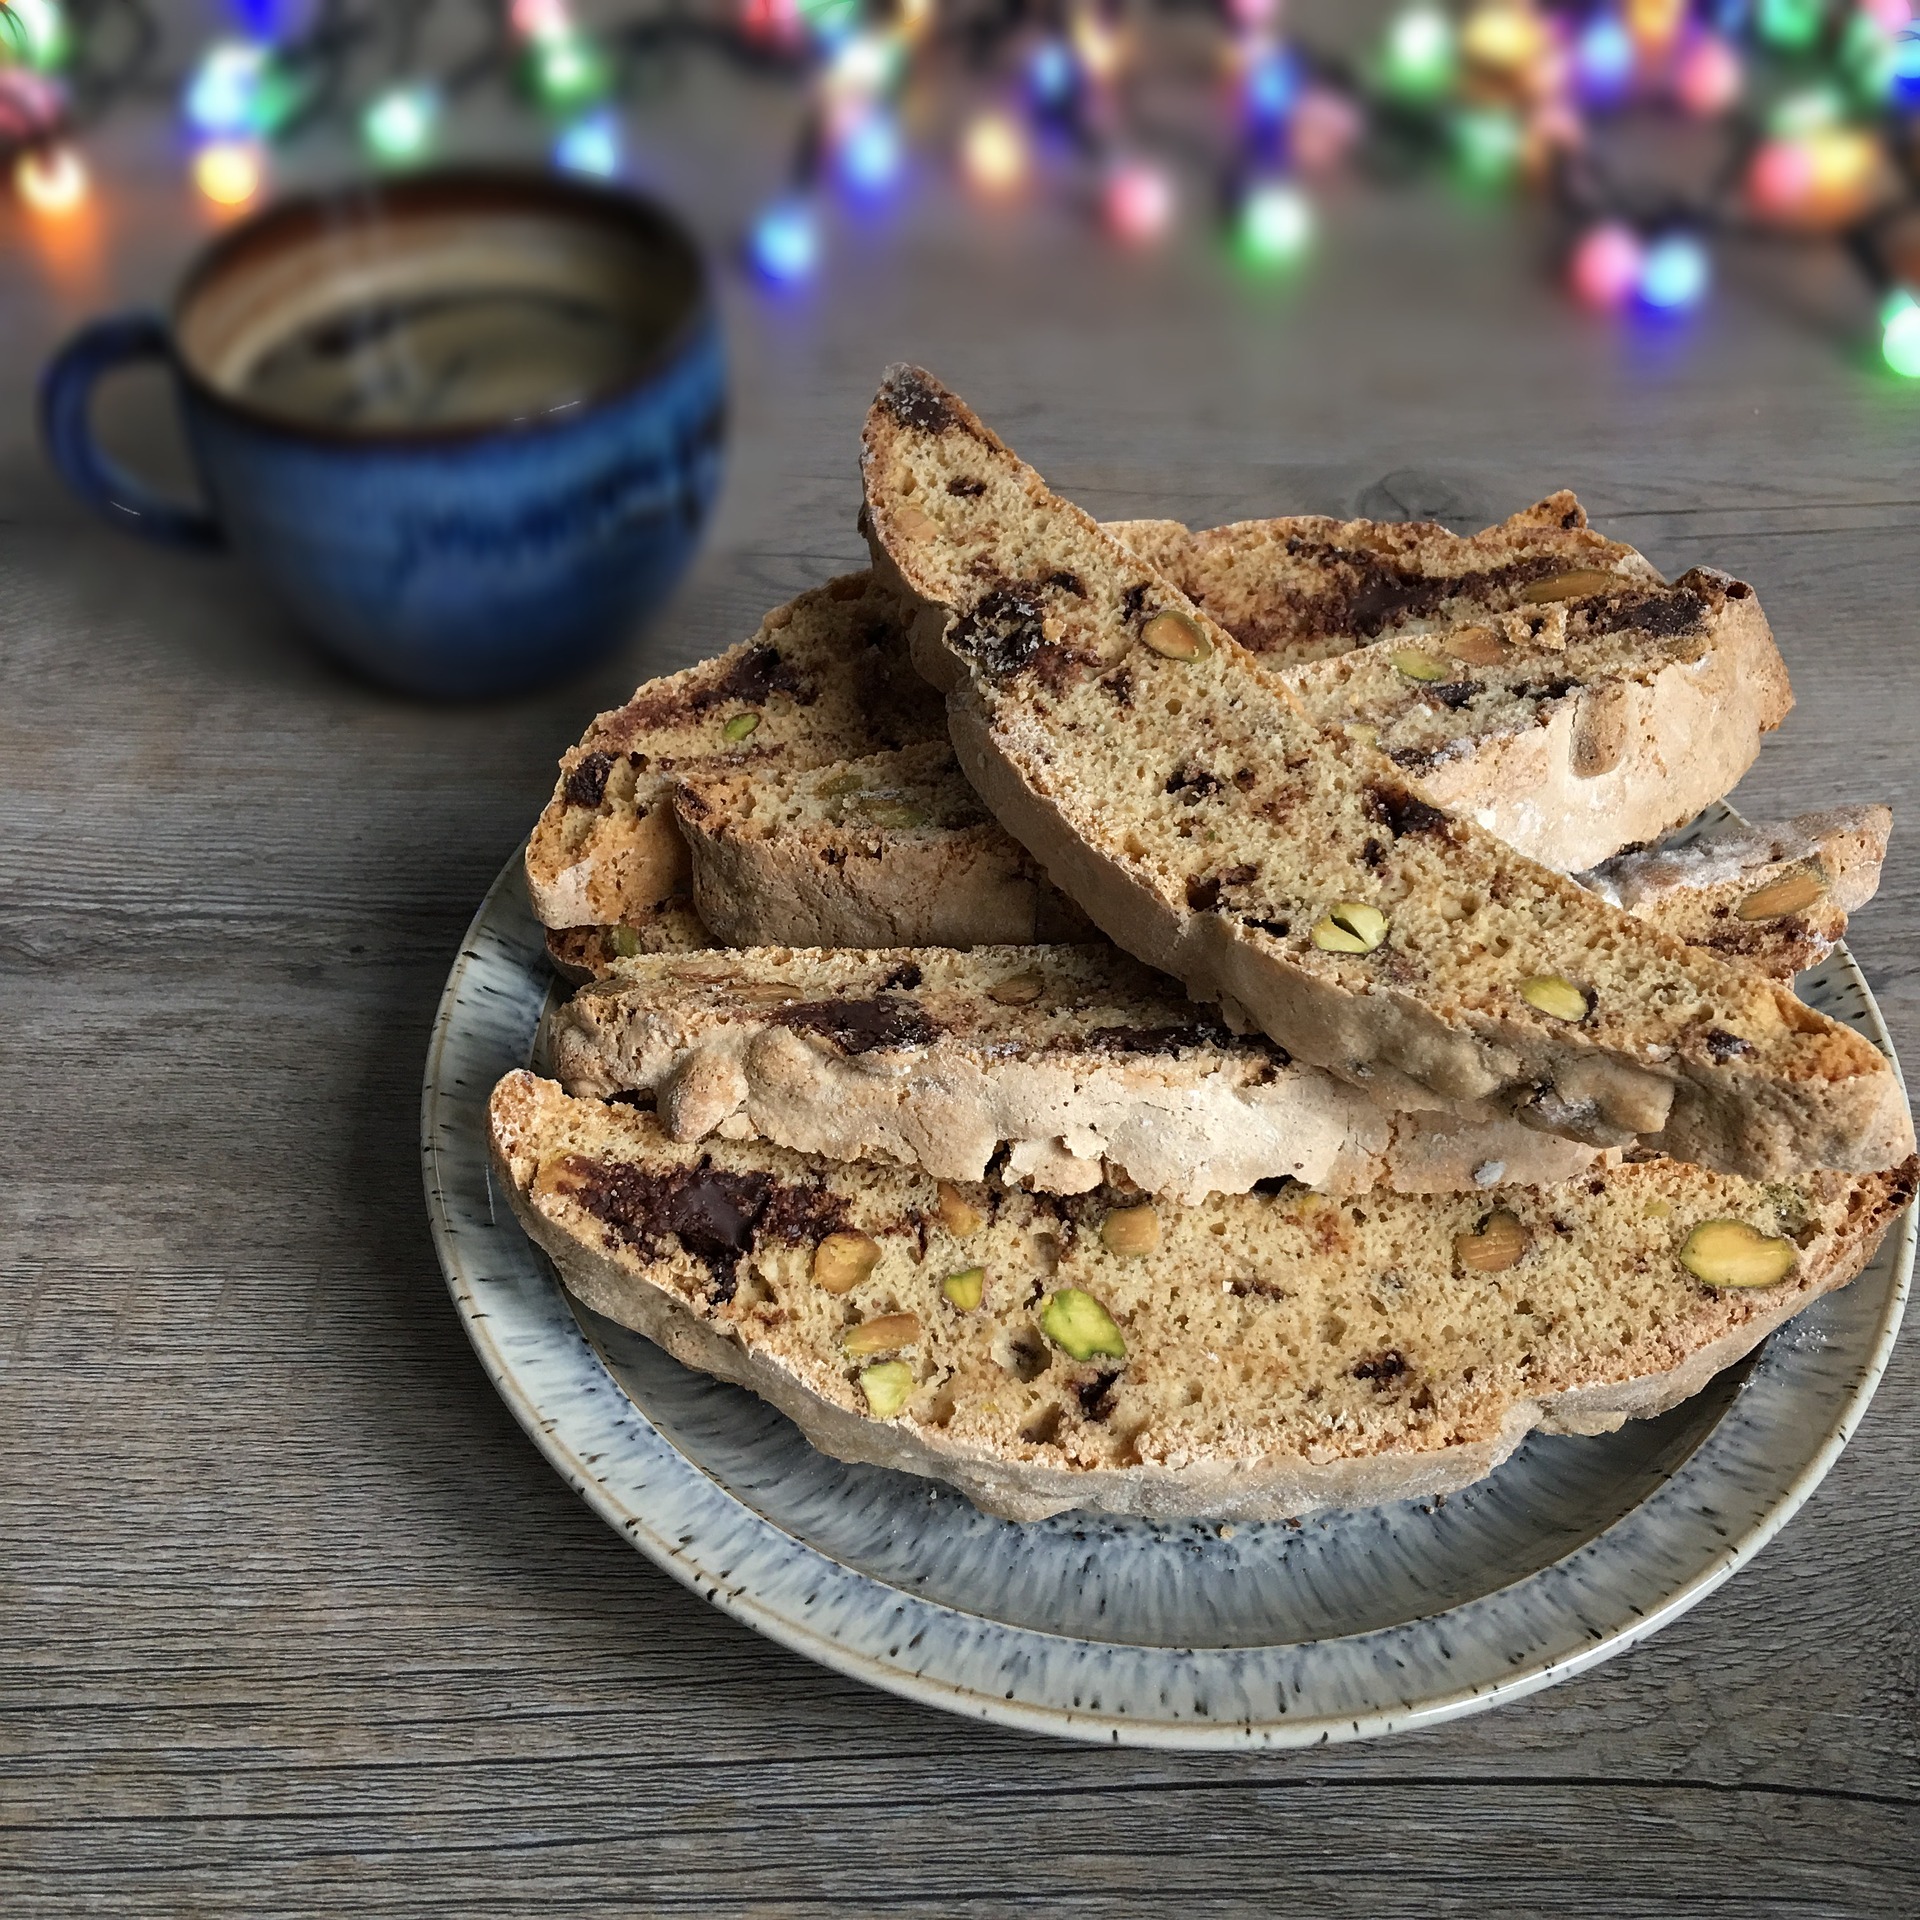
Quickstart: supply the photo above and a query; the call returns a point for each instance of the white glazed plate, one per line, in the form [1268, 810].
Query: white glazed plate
[1120, 1630]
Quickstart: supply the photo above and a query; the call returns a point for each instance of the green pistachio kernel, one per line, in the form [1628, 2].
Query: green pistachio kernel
[1079, 1324]
[966, 1288]
[1350, 926]
[888, 1387]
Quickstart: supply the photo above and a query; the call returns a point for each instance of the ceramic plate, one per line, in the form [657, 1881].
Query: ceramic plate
[1130, 1631]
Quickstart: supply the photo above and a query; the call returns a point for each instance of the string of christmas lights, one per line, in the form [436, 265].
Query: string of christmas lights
[1809, 109]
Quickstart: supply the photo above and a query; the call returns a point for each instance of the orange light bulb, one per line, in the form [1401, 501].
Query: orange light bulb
[228, 172]
[50, 180]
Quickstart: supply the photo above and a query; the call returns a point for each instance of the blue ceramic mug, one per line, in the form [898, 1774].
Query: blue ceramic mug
[466, 424]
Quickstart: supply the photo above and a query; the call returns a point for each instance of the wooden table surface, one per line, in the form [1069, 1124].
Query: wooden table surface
[293, 1618]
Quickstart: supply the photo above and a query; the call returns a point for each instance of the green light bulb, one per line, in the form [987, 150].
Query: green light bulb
[34, 31]
[569, 70]
[1487, 141]
[1276, 224]
[399, 125]
[1417, 60]
[1900, 339]
[1791, 25]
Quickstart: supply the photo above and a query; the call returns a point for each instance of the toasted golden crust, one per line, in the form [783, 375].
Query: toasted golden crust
[1275, 1353]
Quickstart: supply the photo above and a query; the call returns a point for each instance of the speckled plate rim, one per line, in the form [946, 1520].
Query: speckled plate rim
[1608, 1594]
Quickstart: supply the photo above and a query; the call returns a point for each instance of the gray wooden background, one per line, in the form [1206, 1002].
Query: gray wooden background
[292, 1617]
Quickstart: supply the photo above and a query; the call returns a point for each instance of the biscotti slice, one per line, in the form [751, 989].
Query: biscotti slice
[1774, 896]
[824, 679]
[1052, 1066]
[892, 849]
[1307, 587]
[1571, 729]
[1211, 829]
[1255, 1356]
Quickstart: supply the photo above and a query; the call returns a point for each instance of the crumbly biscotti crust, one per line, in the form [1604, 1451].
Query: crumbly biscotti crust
[1774, 895]
[1055, 1067]
[824, 679]
[1212, 830]
[1281, 1352]
[1309, 587]
[892, 849]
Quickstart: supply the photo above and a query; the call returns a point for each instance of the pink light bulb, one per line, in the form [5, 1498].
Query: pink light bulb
[539, 19]
[1606, 264]
[1139, 201]
[1781, 179]
[1707, 79]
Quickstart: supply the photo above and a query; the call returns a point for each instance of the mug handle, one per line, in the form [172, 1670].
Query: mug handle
[66, 429]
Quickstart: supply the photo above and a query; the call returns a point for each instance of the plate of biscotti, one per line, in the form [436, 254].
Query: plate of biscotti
[1194, 1138]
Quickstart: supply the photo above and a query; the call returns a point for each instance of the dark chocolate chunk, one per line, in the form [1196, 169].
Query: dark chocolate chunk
[1194, 782]
[965, 489]
[1382, 1369]
[758, 672]
[1372, 592]
[587, 783]
[1665, 613]
[1096, 1395]
[907, 976]
[1169, 1039]
[1723, 1046]
[1452, 693]
[717, 1216]
[1401, 812]
[862, 1026]
[916, 399]
[1557, 688]
[1004, 630]
[1203, 894]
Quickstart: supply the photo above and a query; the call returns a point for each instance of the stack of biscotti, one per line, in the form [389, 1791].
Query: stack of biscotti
[1374, 1201]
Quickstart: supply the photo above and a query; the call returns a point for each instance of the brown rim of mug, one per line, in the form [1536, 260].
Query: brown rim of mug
[507, 188]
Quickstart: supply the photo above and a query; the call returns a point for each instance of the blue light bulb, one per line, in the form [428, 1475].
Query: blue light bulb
[785, 243]
[1052, 77]
[222, 94]
[1903, 83]
[1603, 59]
[870, 154]
[591, 146]
[1273, 87]
[1675, 274]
